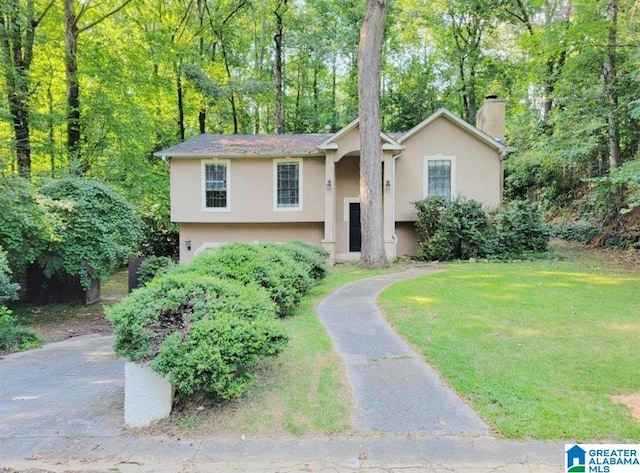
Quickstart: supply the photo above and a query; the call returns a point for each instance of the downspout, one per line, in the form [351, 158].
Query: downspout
[394, 235]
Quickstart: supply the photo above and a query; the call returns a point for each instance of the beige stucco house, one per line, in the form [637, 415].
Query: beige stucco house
[281, 187]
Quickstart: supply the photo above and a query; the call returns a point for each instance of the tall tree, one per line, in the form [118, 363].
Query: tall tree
[369, 61]
[72, 31]
[609, 84]
[278, 66]
[18, 23]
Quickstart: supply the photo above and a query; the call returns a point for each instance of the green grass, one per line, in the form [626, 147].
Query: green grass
[536, 348]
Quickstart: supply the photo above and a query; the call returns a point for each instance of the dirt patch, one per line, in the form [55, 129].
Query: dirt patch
[90, 323]
[632, 401]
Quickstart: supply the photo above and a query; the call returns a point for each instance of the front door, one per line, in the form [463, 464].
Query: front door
[355, 237]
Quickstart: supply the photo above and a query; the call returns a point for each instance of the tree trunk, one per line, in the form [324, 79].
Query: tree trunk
[73, 84]
[17, 32]
[369, 58]
[19, 110]
[179, 92]
[610, 86]
[277, 68]
[71, 33]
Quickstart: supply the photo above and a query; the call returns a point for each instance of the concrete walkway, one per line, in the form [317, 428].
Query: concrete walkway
[395, 391]
[61, 410]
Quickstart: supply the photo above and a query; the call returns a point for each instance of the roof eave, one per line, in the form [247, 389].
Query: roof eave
[232, 156]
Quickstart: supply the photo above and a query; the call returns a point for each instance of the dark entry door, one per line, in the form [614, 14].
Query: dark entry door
[354, 227]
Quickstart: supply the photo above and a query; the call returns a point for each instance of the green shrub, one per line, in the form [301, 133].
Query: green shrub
[172, 303]
[318, 250]
[520, 229]
[203, 333]
[218, 354]
[459, 229]
[14, 337]
[313, 261]
[8, 289]
[263, 265]
[152, 267]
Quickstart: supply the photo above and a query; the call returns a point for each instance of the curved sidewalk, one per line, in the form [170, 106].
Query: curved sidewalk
[395, 391]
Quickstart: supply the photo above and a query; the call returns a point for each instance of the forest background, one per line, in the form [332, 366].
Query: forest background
[95, 87]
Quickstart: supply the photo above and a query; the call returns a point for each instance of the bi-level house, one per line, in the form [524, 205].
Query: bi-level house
[281, 187]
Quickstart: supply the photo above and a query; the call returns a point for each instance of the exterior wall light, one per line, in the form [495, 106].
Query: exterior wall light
[329, 184]
[187, 244]
[387, 185]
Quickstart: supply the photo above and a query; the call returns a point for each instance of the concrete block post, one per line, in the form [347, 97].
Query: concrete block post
[148, 396]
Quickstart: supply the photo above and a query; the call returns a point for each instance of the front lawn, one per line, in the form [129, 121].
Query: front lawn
[536, 348]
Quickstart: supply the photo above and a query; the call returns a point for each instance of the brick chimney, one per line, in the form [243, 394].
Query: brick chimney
[490, 117]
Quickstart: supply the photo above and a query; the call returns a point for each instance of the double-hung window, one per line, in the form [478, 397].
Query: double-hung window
[216, 185]
[439, 180]
[287, 184]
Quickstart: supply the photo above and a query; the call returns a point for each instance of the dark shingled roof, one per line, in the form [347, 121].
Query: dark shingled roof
[247, 145]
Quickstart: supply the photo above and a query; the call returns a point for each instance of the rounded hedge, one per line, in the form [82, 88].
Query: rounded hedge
[218, 354]
[172, 303]
[264, 265]
[314, 262]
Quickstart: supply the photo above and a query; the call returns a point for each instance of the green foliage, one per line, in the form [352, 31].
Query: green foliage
[583, 229]
[203, 333]
[96, 230]
[461, 229]
[8, 289]
[207, 325]
[458, 229]
[263, 265]
[520, 229]
[313, 261]
[152, 267]
[14, 337]
[171, 303]
[25, 227]
[159, 235]
[219, 353]
[623, 182]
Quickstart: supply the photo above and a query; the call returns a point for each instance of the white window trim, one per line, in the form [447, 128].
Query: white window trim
[275, 184]
[203, 186]
[438, 157]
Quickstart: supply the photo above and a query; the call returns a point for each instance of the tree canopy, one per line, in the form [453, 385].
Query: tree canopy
[97, 87]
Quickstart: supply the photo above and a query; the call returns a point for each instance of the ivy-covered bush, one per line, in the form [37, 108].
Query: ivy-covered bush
[25, 226]
[96, 229]
[261, 264]
[461, 229]
[153, 266]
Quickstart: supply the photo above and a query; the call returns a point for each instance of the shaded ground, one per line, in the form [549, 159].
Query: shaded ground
[56, 322]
